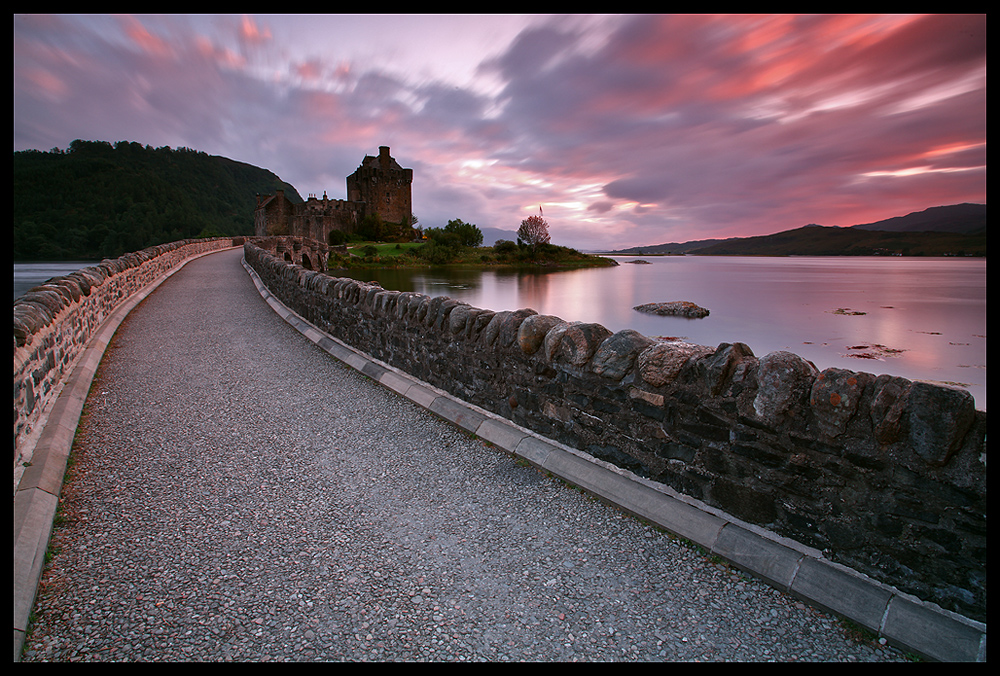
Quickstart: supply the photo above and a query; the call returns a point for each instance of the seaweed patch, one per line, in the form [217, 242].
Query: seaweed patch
[872, 351]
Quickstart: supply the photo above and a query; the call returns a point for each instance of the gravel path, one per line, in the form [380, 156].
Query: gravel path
[237, 494]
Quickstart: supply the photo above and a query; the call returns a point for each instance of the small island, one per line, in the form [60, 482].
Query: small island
[461, 244]
[372, 255]
[676, 308]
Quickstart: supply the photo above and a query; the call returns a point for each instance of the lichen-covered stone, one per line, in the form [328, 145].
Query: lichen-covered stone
[887, 409]
[660, 364]
[443, 319]
[492, 329]
[617, 354]
[433, 308]
[717, 369]
[939, 418]
[784, 380]
[459, 317]
[834, 398]
[531, 334]
[511, 325]
[502, 331]
[575, 343]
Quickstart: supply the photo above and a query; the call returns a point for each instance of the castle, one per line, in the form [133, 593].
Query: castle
[378, 187]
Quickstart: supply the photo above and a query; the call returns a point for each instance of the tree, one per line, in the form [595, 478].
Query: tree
[443, 237]
[468, 233]
[534, 230]
[372, 228]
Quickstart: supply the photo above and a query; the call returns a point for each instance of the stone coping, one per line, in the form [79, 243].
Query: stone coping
[903, 620]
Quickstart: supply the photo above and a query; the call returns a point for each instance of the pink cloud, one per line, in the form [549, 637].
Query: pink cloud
[310, 70]
[225, 58]
[251, 33]
[47, 84]
[146, 41]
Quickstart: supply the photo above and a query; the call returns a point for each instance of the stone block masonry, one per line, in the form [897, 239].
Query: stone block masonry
[883, 475]
[54, 321]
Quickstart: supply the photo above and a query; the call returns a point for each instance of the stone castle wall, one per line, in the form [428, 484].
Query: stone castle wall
[884, 475]
[316, 219]
[54, 321]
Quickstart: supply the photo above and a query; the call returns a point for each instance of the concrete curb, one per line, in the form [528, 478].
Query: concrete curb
[902, 620]
[37, 495]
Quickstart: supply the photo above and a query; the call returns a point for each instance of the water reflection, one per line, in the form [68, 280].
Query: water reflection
[489, 289]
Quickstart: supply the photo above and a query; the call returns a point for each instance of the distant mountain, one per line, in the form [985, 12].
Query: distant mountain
[960, 218]
[834, 241]
[491, 235]
[956, 230]
[96, 200]
[669, 248]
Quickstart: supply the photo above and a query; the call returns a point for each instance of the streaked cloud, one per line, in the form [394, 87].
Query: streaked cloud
[628, 129]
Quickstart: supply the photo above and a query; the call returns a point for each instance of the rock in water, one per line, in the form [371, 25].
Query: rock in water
[676, 308]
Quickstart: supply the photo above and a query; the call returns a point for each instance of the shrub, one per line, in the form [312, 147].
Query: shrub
[504, 246]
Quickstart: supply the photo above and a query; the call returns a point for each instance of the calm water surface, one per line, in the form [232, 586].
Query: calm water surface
[28, 275]
[920, 318]
[923, 318]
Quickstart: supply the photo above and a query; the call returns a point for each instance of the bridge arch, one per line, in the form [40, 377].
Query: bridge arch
[308, 253]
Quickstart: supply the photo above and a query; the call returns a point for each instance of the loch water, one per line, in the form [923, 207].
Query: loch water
[919, 318]
[30, 275]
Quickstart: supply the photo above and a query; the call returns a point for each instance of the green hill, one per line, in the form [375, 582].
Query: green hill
[96, 200]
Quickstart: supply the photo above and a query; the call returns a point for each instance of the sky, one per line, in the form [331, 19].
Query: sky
[626, 130]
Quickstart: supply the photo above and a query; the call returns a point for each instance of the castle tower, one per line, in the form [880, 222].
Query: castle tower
[384, 186]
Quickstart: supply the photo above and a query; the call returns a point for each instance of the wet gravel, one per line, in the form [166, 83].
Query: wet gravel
[238, 495]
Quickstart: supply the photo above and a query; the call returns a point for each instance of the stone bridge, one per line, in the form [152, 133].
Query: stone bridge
[302, 251]
[754, 460]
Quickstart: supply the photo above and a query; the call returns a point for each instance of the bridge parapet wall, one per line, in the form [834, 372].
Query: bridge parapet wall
[883, 475]
[53, 323]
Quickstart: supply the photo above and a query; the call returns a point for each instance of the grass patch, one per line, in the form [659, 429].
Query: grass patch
[382, 250]
[361, 255]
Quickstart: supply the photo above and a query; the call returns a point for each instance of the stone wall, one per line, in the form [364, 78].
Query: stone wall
[276, 215]
[54, 321]
[884, 475]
